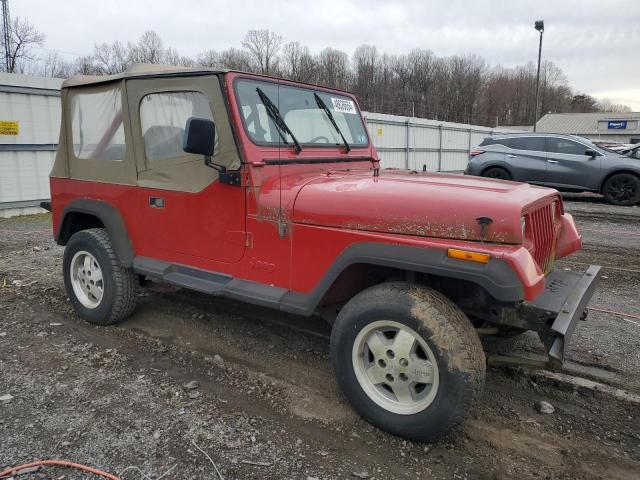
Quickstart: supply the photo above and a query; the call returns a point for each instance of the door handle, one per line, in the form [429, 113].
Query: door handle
[156, 202]
[512, 156]
[552, 161]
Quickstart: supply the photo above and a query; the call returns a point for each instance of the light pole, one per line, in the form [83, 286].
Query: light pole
[539, 25]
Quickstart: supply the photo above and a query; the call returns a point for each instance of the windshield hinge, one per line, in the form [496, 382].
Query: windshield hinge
[226, 177]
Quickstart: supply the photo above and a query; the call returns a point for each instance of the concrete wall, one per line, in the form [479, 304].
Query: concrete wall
[26, 158]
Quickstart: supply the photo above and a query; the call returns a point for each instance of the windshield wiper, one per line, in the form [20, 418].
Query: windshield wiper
[323, 106]
[279, 122]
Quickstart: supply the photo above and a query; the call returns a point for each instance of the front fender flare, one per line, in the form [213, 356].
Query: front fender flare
[497, 277]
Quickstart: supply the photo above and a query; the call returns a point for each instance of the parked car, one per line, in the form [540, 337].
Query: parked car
[564, 162]
[633, 151]
[610, 146]
[270, 192]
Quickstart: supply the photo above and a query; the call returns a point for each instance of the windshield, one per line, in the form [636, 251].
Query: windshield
[299, 109]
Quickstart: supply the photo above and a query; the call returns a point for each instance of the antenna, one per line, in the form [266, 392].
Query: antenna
[6, 34]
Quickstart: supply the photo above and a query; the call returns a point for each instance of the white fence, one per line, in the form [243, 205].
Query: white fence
[418, 143]
[30, 116]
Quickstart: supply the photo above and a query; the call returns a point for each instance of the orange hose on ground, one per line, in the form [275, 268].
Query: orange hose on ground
[59, 463]
[613, 312]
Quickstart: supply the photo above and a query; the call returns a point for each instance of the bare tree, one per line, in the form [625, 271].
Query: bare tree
[54, 66]
[210, 59]
[458, 88]
[171, 57]
[148, 49]
[606, 105]
[84, 66]
[23, 38]
[235, 59]
[333, 68]
[263, 47]
[298, 62]
[110, 59]
[365, 69]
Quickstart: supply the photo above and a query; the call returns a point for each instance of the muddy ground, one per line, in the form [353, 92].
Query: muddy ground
[266, 404]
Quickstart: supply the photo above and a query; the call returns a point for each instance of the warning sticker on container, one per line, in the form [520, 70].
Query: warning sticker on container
[9, 128]
[343, 105]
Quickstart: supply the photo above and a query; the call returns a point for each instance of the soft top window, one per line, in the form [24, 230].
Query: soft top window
[163, 117]
[96, 125]
[300, 111]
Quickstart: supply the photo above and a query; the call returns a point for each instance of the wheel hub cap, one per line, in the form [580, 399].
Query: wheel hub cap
[622, 189]
[395, 367]
[86, 279]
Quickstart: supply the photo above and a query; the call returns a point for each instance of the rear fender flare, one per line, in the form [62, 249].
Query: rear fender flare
[110, 218]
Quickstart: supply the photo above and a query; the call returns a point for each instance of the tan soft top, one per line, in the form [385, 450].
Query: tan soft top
[139, 70]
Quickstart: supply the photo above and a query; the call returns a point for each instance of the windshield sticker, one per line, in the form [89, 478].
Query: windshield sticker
[343, 105]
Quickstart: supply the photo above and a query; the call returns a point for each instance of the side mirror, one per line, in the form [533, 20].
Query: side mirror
[591, 153]
[199, 137]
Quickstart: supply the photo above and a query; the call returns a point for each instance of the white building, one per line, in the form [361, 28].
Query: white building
[612, 126]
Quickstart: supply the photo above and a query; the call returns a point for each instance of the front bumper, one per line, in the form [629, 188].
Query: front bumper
[561, 306]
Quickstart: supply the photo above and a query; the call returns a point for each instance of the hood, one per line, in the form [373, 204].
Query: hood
[426, 205]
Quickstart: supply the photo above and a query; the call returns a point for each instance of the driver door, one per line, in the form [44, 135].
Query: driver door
[569, 167]
[186, 215]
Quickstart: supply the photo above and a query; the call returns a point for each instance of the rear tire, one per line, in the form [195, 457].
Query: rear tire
[622, 189]
[408, 360]
[497, 173]
[101, 290]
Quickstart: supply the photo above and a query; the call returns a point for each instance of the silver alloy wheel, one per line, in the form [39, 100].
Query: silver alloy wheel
[86, 279]
[395, 367]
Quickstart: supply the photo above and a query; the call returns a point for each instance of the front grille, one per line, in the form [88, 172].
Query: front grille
[542, 229]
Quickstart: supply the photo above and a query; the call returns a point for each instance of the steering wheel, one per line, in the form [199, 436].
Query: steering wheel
[321, 137]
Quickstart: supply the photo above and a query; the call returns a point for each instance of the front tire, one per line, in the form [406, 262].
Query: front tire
[408, 360]
[622, 189]
[101, 290]
[497, 173]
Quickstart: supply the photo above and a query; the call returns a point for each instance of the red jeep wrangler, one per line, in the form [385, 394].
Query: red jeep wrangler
[270, 192]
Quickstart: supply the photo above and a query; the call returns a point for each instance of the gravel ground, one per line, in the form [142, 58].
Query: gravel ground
[254, 388]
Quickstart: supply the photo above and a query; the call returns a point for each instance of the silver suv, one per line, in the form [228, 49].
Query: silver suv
[565, 162]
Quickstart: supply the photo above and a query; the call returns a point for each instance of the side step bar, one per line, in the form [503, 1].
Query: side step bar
[209, 282]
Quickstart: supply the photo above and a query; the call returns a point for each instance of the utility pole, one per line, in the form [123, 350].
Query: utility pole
[539, 25]
[6, 34]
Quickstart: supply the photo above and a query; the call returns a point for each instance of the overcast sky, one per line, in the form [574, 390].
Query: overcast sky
[596, 43]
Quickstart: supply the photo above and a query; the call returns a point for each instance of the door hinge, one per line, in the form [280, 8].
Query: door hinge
[231, 178]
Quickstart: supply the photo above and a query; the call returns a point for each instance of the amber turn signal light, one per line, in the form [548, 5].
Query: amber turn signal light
[469, 256]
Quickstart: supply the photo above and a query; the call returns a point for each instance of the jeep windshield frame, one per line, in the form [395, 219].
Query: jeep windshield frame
[299, 109]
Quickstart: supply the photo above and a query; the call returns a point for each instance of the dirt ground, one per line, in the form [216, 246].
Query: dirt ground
[265, 402]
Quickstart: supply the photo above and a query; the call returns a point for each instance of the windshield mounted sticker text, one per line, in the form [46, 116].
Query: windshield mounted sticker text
[343, 105]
